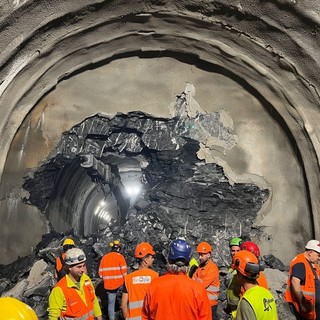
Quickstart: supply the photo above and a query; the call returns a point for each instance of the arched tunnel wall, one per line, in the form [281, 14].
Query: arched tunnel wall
[64, 61]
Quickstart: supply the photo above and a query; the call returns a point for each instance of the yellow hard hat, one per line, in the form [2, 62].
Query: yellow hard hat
[68, 241]
[14, 309]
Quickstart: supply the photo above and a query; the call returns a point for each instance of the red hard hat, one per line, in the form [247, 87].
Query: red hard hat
[143, 249]
[204, 247]
[250, 246]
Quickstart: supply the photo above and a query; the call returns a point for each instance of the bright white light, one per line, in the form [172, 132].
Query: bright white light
[133, 190]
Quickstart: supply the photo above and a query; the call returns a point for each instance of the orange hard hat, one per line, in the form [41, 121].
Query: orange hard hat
[143, 249]
[247, 264]
[204, 247]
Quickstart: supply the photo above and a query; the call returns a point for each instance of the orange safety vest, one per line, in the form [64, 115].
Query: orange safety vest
[112, 270]
[137, 284]
[209, 277]
[59, 264]
[77, 309]
[308, 289]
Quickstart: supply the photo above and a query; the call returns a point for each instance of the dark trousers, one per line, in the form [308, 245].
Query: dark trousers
[214, 310]
[297, 315]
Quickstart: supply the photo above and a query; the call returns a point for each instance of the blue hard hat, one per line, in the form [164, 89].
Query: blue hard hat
[179, 249]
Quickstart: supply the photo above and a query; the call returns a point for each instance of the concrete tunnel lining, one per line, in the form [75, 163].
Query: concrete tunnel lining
[78, 52]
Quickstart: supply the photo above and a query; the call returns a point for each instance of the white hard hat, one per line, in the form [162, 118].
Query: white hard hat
[75, 256]
[313, 245]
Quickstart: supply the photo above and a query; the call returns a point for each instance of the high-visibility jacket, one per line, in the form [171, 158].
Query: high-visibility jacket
[308, 289]
[59, 264]
[176, 296]
[112, 270]
[261, 281]
[193, 265]
[77, 309]
[208, 276]
[235, 291]
[262, 303]
[137, 284]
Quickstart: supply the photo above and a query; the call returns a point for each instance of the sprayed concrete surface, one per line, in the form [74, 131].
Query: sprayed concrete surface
[257, 62]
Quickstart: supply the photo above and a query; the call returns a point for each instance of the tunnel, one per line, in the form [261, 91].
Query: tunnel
[200, 114]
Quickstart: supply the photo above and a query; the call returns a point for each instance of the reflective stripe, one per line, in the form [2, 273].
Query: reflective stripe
[213, 288]
[305, 293]
[212, 297]
[113, 277]
[84, 317]
[136, 304]
[113, 268]
[135, 318]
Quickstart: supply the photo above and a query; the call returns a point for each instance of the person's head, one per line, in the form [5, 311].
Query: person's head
[115, 245]
[247, 266]
[251, 247]
[67, 244]
[14, 309]
[76, 262]
[179, 255]
[204, 251]
[312, 251]
[234, 245]
[145, 254]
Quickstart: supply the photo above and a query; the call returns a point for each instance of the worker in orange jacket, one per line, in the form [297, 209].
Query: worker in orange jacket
[208, 275]
[60, 268]
[112, 270]
[174, 295]
[303, 281]
[136, 283]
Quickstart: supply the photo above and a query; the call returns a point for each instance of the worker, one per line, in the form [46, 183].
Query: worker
[303, 283]
[136, 283]
[252, 247]
[230, 281]
[60, 268]
[14, 309]
[235, 290]
[208, 275]
[257, 303]
[112, 270]
[74, 296]
[174, 295]
[234, 246]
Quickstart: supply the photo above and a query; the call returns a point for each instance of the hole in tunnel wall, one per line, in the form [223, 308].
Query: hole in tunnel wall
[260, 154]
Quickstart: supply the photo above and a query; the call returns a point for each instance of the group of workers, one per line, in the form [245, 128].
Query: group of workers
[179, 293]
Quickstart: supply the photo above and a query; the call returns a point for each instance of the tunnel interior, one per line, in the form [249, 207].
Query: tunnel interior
[248, 76]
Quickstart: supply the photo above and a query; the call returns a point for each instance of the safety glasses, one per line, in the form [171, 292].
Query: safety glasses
[73, 260]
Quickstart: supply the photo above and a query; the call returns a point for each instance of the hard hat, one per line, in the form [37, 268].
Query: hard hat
[250, 246]
[115, 244]
[204, 247]
[179, 249]
[75, 256]
[247, 264]
[143, 249]
[235, 242]
[313, 245]
[14, 309]
[69, 242]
